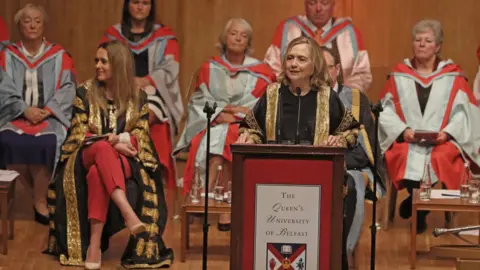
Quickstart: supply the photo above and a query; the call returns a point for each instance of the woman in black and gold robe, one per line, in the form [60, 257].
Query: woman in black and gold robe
[107, 177]
[303, 97]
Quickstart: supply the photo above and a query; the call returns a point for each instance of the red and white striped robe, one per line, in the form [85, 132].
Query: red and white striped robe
[451, 108]
[164, 96]
[226, 84]
[339, 33]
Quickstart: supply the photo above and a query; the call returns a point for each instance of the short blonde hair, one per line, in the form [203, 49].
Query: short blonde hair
[222, 39]
[19, 15]
[430, 25]
[320, 77]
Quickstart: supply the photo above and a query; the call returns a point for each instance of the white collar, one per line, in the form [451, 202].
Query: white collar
[28, 54]
[328, 25]
[335, 87]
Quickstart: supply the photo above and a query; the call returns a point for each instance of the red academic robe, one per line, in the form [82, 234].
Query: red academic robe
[164, 95]
[451, 108]
[210, 76]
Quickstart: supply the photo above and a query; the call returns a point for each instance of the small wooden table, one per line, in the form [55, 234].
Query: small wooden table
[447, 205]
[214, 207]
[7, 198]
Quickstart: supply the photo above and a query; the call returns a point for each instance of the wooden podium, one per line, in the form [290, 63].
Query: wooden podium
[287, 207]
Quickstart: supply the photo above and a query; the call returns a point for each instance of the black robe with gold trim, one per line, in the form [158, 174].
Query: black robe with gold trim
[274, 120]
[322, 113]
[67, 195]
[362, 155]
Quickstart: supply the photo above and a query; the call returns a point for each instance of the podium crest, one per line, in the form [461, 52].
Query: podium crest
[286, 256]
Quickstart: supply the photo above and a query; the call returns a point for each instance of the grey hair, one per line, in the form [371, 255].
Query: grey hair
[432, 25]
[19, 15]
[222, 39]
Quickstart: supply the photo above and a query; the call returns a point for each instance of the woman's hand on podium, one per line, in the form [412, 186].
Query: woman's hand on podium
[244, 138]
[125, 149]
[334, 141]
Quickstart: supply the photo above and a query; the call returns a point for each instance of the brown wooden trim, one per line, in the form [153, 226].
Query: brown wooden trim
[337, 212]
[236, 237]
[266, 149]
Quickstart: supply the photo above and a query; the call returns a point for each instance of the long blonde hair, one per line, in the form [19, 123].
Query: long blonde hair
[320, 77]
[122, 83]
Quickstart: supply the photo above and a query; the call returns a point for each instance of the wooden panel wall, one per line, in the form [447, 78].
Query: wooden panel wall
[79, 25]
[385, 25]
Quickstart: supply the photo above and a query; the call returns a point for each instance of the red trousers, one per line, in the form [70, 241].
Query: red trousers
[104, 175]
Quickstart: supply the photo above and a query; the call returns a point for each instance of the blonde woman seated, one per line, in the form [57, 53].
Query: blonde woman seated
[37, 88]
[88, 197]
[233, 80]
[427, 93]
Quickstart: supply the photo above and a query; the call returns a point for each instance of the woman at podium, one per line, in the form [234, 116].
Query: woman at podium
[302, 108]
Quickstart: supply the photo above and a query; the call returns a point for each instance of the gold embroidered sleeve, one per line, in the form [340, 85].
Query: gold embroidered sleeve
[77, 131]
[348, 129]
[141, 131]
[252, 127]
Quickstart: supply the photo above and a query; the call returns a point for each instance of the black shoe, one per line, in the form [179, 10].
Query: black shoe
[421, 222]
[224, 227]
[44, 220]
[166, 258]
[405, 209]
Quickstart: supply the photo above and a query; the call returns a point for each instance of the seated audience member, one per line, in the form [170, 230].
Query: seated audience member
[37, 88]
[320, 124]
[360, 158]
[233, 80]
[156, 55]
[336, 33]
[108, 154]
[430, 94]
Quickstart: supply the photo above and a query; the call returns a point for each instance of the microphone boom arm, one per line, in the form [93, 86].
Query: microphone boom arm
[456, 232]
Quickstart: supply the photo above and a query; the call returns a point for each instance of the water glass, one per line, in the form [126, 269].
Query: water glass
[195, 194]
[425, 191]
[464, 191]
[229, 193]
[219, 193]
[474, 192]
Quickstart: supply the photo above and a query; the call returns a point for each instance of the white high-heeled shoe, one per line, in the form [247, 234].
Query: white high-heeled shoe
[94, 265]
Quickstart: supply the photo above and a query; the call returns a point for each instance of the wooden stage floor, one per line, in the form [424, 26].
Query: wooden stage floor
[25, 251]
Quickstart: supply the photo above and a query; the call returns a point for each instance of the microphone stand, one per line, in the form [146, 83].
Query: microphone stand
[209, 111]
[376, 110]
[299, 108]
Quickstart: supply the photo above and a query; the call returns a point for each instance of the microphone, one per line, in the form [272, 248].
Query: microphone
[437, 232]
[299, 109]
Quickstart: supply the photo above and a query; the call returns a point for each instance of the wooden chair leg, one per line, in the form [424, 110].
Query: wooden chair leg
[11, 213]
[389, 206]
[4, 217]
[393, 202]
[184, 235]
